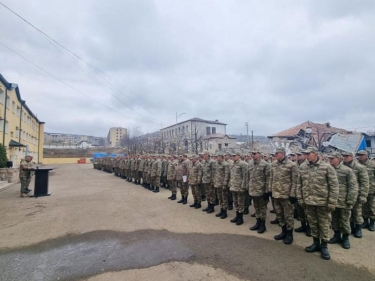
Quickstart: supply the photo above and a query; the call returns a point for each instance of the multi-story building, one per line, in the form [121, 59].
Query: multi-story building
[62, 139]
[20, 130]
[115, 135]
[189, 135]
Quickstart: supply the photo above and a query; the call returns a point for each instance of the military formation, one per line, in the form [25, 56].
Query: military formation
[323, 192]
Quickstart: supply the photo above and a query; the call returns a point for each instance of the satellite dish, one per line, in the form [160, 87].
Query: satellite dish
[308, 130]
[326, 143]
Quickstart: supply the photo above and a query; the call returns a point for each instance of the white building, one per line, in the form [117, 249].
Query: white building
[219, 142]
[115, 135]
[190, 134]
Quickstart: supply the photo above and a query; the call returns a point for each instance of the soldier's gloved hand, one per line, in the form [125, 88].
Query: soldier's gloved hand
[292, 200]
[266, 196]
[330, 209]
[363, 200]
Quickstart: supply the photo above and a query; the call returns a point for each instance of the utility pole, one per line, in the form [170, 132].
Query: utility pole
[247, 133]
[252, 140]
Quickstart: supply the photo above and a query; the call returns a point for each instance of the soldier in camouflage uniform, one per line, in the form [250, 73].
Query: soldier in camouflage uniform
[221, 182]
[283, 183]
[229, 160]
[259, 180]
[317, 191]
[237, 182]
[361, 174]
[182, 177]
[171, 176]
[25, 174]
[156, 173]
[195, 179]
[141, 166]
[348, 193]
[369, 207]
[207, 182]
[164, 169]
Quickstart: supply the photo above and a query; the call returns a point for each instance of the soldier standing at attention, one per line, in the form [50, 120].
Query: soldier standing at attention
[369, 206]
[237, 182]
[182, 177]
[25, 174]
[221, 181]
[195, 179]
[361, 174]
[207, 182]
[171, 177]
[348, 192]
[229, 160]
[259, 180]
[318, 190]
[283, 184]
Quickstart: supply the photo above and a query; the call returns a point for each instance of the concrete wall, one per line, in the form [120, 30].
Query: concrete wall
[49, 161]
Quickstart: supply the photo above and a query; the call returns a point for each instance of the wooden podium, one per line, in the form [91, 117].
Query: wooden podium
[41, 182]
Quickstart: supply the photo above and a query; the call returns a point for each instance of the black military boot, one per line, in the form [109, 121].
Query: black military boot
[240, 219]
[256, 225]
[207, 208]
[262, 227]
[212, 209]
[224, 215]
[181, 200]
[275, 221]
[308, 230]
[371, 226]
[365, 223]
[315, 247]
[289, 237]
[324, 251]
[336, 238]
[282, 234]
[220, 213]
[302, 228]
[173, 197]
[246, 211]
[198, 206]
[170, 197]
[345, 241]
[357, 231]
[185, 201]
[235, 219]
[156, 190]
[194, 204]
[230, 205]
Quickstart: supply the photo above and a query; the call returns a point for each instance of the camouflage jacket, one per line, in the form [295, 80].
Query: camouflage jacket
[348, 187]
[259, 177]
[318, 184]
[156, 168]
[361, 174]
[26, 165]
[221, 176]
[171, 171]
[164, 168]
[283, 179]
[208, 171]
[237, 177]
[182, 170]
[370, 166]
[195, 173]
[141, 165]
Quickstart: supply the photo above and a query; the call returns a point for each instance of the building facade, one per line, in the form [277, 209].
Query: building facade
[20, 130]
[71, 140]
[115, 135]
[219, 142]
[188, 136]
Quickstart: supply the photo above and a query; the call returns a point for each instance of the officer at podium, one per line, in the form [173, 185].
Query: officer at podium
[26, 166]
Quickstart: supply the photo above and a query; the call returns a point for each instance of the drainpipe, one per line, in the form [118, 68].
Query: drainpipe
[5, 113]
[20, 131]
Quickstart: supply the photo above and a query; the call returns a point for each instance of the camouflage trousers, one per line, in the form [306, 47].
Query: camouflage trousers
[301, 213]
[139, 175]
[357, 213]
[369, 207]
[155, 181]
[222, 195]
[341, 220]
[284, 212]
[260, 206]
[25, 181]
[209, 190]
[184, 188]
[172, 186]
[319, 220]
[239, 200]
[196, 190]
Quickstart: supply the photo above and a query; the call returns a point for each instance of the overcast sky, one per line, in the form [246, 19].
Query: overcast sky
[274, 64]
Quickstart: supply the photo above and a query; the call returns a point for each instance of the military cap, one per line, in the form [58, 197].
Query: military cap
[311, 149]
[29, 156]
[300, 152]
[236, 153]
[220, 154]
[228, 153]
[255, 150]
[292, 154]
[280, 149]
[335, 154]
[185, 155]
[347, 153]
[362, 152]
[194, 156]
[206, 152]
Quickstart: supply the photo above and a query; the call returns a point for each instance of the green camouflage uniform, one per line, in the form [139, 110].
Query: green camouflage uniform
[237, 184]
[369, 206]
[221, 181]
[25, 175]
[195, 179]
[183, 170]
[171, 176]
[207, 180]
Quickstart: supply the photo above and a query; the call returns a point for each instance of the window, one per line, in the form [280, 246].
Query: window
[368, 143]
[1, 125]
[2, 96]
[208, 130]
[213, 130]
[6, 127]
[12, 134]
[226, 144]
[8, 102]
